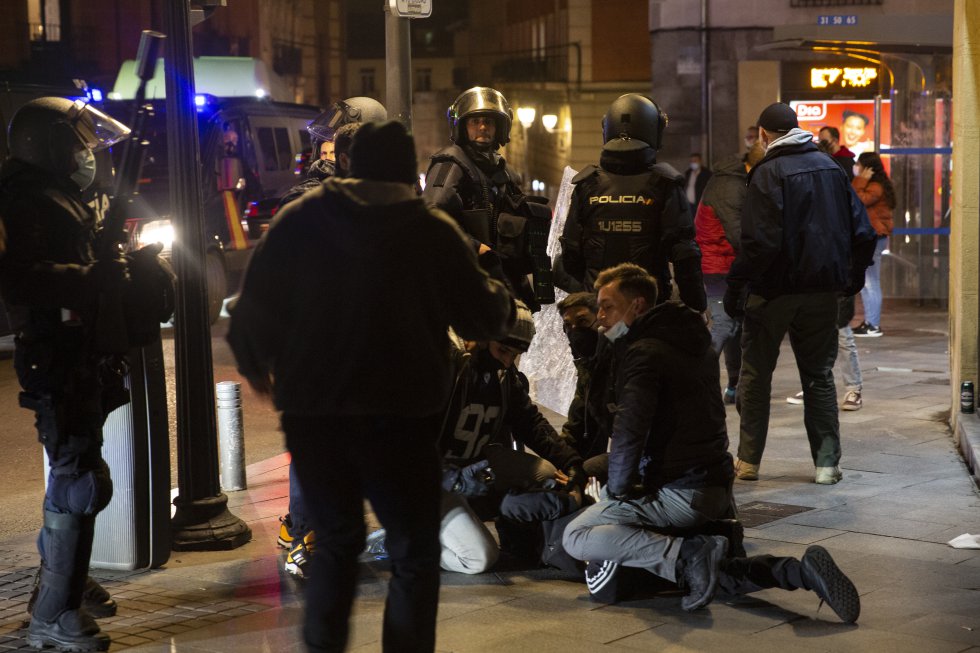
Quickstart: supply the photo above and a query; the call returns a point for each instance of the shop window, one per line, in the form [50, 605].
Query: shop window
[423, 79]
[367, 81]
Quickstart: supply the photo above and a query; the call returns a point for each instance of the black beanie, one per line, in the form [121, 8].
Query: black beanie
[383, 151]
[778, 118]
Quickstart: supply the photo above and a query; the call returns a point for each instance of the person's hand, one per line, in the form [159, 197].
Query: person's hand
[470, 481]
[261, 385]
[734, 303]
[866, 173]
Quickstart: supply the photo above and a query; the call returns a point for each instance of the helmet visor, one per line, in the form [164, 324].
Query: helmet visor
[324, 127]
[95, 129]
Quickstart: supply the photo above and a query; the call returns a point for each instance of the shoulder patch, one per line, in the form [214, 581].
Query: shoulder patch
[584, 174]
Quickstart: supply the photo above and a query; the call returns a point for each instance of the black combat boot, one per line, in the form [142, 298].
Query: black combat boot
[822, 575]
[95, 599]
[697, 569]
[58, 619]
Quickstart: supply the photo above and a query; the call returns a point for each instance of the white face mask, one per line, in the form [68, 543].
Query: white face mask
[856, 169]
[85, 174]
[695, 166]
[616, 331]
[749, 143]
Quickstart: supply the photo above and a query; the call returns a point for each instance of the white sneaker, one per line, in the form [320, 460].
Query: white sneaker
[746, 471]
[828, 475]
[852, 401]
[796, 399]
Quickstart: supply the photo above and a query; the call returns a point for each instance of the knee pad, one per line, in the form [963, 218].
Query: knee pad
[85, 492]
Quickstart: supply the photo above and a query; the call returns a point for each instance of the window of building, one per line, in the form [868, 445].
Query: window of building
[367, 81]
[44, 17]
[423, 79]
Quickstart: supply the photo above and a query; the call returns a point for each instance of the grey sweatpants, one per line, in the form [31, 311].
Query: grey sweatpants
[630, 532]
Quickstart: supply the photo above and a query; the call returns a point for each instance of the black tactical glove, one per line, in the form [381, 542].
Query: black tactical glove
[151, 298]
[577, 478]
[632, 491]
[734, 302]
[470, 481]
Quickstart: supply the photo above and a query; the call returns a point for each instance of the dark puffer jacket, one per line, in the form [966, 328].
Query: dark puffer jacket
[804, 230]
[669, 428]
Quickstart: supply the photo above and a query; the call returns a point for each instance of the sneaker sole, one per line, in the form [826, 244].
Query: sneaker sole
[850, 407]
[284, 544]
[833, 587]
[868, 335]
[294, 570]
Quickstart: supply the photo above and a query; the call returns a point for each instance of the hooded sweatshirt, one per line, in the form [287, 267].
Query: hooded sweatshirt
[718, 218]
[669, 427]
[347, 301]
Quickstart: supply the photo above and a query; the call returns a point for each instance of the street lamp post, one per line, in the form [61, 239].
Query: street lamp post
[202, 520]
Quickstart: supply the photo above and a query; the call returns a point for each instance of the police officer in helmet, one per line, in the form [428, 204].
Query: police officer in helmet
[470, 180]
[631, 209]
[51, 283]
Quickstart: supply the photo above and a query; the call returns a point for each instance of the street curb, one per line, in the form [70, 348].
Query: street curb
[967, 437]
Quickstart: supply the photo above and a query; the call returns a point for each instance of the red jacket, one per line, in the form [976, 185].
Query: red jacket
[717, 221]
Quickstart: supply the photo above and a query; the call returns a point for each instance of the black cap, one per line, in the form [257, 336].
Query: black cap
[383, 151]
[778, 118]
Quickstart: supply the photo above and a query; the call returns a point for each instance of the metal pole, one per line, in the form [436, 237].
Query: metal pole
[878, 123]
[705, 104]
[202, 520]
[398, 63]
[231, 435]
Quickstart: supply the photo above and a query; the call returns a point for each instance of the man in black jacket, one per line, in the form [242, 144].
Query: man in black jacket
[805, 240]
[631, 208]
[669, 466]
[358, 388]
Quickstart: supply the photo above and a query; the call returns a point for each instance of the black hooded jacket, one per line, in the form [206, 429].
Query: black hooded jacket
[669, 427]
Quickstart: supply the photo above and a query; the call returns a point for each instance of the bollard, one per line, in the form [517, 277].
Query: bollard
[231, 435]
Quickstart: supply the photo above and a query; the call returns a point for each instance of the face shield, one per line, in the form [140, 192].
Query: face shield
[95, 129]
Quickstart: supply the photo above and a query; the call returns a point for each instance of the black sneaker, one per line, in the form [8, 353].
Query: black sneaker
[700, 571]
[826, 579]
[865, 330]
[73, 630]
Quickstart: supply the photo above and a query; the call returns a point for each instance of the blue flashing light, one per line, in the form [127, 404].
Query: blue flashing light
[95, 94]
[200, 101]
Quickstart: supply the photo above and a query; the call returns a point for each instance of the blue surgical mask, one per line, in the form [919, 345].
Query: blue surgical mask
[85, 175]
[616, 331]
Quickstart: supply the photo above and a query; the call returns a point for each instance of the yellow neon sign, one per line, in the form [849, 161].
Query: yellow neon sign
[853, 77]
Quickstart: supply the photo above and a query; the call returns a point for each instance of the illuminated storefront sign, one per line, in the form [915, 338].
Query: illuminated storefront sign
[821, 78]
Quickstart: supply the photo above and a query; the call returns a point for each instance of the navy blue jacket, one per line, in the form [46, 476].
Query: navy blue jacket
[804, 230]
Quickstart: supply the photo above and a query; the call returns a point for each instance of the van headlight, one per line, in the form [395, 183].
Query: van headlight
[156, 231]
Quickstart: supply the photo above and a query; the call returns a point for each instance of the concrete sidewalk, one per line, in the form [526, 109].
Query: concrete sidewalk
[906, 492]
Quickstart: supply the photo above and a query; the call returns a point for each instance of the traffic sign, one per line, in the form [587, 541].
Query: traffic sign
[411, 8]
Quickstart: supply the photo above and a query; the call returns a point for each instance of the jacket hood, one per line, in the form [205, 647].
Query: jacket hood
[675, 324]
[731, 165]
[367, 193]
[627, 162]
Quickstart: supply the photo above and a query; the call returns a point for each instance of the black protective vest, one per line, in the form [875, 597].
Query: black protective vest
[620, 216]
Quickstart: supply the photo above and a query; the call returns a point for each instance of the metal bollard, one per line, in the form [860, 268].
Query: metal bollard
[231, 435]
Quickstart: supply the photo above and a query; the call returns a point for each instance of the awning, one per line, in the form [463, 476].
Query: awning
[922, 34]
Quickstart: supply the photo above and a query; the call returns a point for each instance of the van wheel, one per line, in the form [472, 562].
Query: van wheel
[217, 284]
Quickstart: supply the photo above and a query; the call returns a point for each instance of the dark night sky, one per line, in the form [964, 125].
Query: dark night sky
[430, 36]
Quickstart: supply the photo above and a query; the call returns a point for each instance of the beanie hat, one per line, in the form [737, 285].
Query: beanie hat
[522, 332]
[383, 151]
[778, 118]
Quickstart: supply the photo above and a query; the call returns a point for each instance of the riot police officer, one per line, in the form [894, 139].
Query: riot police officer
[323, 132]
[51, 284]
[470, 180]
[632, 209]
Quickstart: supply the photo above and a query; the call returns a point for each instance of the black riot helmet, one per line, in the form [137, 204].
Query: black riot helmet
[45, 132]
[355, 109]
[635, 117]
[480, 101]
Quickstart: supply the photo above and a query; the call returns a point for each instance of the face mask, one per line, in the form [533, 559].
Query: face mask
[616, 331]
[749, 143]
[85, 174]
[856, 169]
[582, 341]
[695, 166]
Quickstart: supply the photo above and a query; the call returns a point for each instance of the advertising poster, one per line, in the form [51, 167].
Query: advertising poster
[854, 119]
